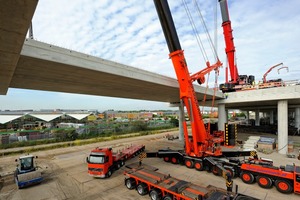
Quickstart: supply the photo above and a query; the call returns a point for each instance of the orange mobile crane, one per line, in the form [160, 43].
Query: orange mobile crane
[202, 150]
[201, 144]
[237, 82]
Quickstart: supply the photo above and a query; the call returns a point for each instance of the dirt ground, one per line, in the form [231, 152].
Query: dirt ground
[65, 174]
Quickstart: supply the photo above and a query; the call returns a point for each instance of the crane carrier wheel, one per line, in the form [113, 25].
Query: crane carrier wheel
[189, 163]
[284, 186]
[247, 177]
[264, 181]
[198, 165]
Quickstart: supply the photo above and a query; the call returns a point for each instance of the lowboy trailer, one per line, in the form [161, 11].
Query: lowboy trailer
[146, 180]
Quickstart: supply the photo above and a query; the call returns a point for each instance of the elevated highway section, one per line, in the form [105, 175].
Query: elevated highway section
[46, 67]
[29, 64]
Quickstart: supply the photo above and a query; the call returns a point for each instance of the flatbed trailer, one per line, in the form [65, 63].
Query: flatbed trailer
[102, 162]
[146, 180]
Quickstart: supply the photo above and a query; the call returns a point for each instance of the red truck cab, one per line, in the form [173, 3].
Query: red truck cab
[102, 162]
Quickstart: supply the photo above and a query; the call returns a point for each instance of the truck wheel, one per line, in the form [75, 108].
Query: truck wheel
[167, 159]
[108, 174]
[247, 177]
[174, 160]
[264, 182]
[155, 194]
[199, 165]
[130, 183]
[189, 163]
[142, 189]
[168, 197]
[283, 186]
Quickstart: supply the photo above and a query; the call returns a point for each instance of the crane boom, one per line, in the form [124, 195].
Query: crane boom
[237, 82]
[201, 140]
[269, 70]
[230, 48]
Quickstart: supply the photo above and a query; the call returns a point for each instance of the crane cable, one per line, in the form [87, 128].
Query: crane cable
[206, 30]
[200, 44]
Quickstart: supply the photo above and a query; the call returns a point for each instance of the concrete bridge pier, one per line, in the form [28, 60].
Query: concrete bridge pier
[222, 117]
[271, 117]
[257, 118]
[282, 107]
[297, 118]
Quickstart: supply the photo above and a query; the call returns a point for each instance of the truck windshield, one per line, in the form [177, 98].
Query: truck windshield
[97, 159]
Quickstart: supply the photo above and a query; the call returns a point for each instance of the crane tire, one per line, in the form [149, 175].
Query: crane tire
[247, 177]
[284, 186]
[264, 181]
[198, 166]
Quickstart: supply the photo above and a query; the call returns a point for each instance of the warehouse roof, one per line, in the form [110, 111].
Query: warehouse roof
[6, 118]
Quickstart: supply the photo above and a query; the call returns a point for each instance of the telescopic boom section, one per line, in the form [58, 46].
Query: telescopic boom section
[201, 141]
[229, 49]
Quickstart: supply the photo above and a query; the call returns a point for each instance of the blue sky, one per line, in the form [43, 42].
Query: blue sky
[128, 31]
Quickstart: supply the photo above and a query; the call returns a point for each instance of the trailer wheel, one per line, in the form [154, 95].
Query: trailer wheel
[167, 197]
[247, 177]
[155, 194]
[264, 182]
[189, 163]
[119, 165]
[283, 186]
[142, 189]
[167, 159]
[199, 165]
[122, 163]
[174, 160]
[130, 183]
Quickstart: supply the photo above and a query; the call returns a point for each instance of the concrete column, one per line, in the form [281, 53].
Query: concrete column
[282, 126]
[257, 118]
[222, 116]
[181, 118]
[297, 118]
[248, 115]
[271, 117]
